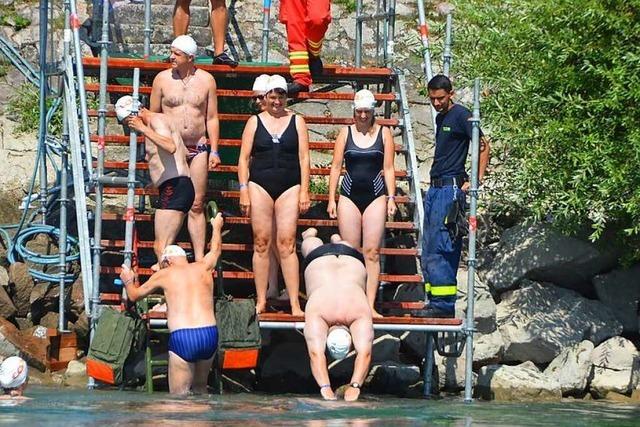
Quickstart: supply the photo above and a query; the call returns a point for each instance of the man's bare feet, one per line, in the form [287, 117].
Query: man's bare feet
[351, 394]
[297, 312]
[309, 232]
[327, 393]
[261, 307]
[335, 238]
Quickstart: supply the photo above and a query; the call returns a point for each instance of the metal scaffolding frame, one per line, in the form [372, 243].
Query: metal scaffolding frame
[76, 143]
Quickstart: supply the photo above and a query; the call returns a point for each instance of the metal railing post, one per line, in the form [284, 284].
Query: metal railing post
[446, 56]
[42, 128]
[147, 28]
[391, 30]
[473, 226]
[74, 22]
[131, 184]
[266, 11]
[426, 53]
[359, 23]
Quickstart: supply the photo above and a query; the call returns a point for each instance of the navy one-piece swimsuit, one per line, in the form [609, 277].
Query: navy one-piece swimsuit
[363, 181]
[275, 164]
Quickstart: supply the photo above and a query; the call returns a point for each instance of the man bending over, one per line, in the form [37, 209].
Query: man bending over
[337, 310]
[165, 153]
[188, 290]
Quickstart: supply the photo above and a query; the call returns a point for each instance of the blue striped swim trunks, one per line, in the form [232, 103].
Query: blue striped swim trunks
[194, 344]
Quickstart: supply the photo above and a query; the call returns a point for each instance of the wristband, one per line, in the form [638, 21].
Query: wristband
[215, 153]
[325, 386]
[391, 198]
[243, 186]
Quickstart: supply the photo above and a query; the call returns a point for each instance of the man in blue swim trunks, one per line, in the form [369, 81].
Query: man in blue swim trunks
[188, 290]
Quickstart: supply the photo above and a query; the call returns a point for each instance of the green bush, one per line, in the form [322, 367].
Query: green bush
[24, 108]
[562, 86]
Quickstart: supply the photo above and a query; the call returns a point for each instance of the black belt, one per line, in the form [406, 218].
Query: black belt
[443, 182]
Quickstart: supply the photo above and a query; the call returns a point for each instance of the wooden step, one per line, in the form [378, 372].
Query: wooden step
[224, 194]
[325, 171]
[321, 120]
[330, 72]
[313, 145]
[145, 272]
[238, 247]
[397, 320]
[302, 222]
[232, 93]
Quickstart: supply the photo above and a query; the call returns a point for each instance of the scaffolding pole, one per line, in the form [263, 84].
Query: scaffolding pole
[426, 53]
[473, 226]
[130, 213]
[446, 56]
[42, 128]
[266, 11]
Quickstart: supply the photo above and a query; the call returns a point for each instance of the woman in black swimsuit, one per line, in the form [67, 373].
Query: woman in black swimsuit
[273, 171]
[368, 151]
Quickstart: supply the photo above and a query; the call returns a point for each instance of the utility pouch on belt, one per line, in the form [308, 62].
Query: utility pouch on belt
[456, 221]
[119, 337]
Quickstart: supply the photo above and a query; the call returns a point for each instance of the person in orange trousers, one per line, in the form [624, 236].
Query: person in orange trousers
[306, 22]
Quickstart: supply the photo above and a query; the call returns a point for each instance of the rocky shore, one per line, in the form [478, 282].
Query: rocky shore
[556, 316]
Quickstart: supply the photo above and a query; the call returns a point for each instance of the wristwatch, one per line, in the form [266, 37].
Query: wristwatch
[355, 385]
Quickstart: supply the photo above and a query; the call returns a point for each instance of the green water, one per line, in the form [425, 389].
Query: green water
[81, 407]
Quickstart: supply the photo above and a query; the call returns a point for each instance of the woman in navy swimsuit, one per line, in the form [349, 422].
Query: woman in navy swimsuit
[273, 171]
[367, 193]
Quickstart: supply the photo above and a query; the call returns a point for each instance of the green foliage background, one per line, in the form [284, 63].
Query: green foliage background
[562, 86]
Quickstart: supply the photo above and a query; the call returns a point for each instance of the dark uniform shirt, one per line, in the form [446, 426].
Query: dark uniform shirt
[452, 142]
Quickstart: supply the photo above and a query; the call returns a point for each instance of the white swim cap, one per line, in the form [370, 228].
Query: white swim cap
[275, 82]
[260, 84]
[13, 372]
[364, 100]
[172, 250]
[339, 342]
[186, 44]
[124, 107]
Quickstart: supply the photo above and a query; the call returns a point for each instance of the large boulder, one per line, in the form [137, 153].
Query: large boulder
[538, 252]
[386, 348]
[484, 307]
[394, 378]
[537, 322]
[21, 285]
[572, 368]
[76, 374]
[523, 382]
[14, 343]
[487, 348]
[7, 309]
[4, 276]
[451, 372]
[616, 367]
[620, 290]
[285, 365]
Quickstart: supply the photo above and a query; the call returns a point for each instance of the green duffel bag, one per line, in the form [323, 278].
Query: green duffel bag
[118, 336]
[237, 323]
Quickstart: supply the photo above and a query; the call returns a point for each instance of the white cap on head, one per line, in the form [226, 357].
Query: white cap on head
[260, 84]
[172, 250]
[13, 372]
[364, 100]
[186, 44]
[275, 82]
[339, 342]
[124, 107]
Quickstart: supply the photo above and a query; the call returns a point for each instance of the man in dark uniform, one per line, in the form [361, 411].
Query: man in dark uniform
[441, 248]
